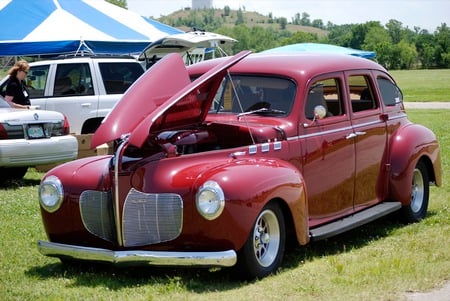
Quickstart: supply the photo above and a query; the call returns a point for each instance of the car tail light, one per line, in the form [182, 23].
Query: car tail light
[66, 127]
[3, 133]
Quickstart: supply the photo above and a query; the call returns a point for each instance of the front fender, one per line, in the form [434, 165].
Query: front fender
[250, 183]
[409, 145]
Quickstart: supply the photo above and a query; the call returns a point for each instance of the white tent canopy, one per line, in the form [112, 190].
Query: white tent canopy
[65, 26]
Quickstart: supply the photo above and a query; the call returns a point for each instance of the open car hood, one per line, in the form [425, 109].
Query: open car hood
[163, 98]
[183, 43]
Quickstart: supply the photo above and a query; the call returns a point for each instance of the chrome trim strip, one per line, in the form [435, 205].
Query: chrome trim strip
[226, 258]
[118, 161]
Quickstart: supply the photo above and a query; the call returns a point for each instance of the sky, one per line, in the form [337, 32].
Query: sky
[426, 14]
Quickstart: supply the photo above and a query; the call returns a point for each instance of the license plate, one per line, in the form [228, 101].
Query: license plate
[35, 132]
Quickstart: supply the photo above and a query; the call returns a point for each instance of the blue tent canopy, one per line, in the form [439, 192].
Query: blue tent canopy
[66, 26]
[317, 47]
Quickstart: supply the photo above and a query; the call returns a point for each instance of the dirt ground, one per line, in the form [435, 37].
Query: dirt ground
[438, 294]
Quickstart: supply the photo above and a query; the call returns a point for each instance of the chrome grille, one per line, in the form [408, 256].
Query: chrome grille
[97, 214]
[150, 218]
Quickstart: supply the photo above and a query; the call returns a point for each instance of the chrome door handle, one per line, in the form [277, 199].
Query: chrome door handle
[351, 136]
[86, 104]
[354, 135]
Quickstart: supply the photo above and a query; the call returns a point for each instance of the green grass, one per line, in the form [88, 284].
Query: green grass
[424, 85]
[379, 261]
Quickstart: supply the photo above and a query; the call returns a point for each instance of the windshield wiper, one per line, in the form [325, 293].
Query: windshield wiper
[262, 111]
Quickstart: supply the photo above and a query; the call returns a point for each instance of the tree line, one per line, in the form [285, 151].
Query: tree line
[396, 46]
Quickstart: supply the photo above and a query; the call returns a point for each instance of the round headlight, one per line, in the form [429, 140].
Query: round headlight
[210, 200]
[51, 194]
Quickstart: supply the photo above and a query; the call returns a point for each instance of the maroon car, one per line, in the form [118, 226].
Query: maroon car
[224, 162]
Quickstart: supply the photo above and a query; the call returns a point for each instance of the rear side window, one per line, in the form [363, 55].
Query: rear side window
[361, 93]
[118, 77]
[73, 80]
[36, 80]
[390, 93]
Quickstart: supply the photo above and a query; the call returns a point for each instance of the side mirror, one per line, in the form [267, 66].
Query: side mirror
[319, 112]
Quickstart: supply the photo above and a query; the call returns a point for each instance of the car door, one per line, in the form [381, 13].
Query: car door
[369, 136]
[72, 91]
[328, 155]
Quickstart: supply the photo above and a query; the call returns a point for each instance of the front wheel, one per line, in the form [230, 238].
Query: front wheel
[416, 210]
[263, 251]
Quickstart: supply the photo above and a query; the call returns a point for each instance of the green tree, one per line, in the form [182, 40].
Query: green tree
[300, 37]
[305, 21]
[317, 23]
[425, 46]
[442, 40]
[121, 3]
[240, 17]
[377, 39]
[283, 22]
[226, 11]
[394, 28]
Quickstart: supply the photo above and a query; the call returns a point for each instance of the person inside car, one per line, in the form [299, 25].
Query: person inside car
[16, 92]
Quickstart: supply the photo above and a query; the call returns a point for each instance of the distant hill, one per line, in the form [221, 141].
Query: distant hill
[251, 19]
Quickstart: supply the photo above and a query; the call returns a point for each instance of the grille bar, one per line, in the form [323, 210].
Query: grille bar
[150, 218]
[97, 213]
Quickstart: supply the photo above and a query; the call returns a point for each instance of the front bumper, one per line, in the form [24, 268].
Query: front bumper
[138, 257]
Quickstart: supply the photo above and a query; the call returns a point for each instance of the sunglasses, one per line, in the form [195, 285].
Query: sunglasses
[26, 72]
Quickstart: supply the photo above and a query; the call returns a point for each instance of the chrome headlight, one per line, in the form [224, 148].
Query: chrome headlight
[51, 194]
[210, 200]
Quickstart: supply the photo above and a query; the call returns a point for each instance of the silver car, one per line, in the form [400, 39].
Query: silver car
[32, 137]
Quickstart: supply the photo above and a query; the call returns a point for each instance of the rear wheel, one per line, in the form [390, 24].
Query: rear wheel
[416, 210]
[12, 173]
[263, 251]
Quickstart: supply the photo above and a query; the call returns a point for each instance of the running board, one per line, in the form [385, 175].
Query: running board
[353, 221]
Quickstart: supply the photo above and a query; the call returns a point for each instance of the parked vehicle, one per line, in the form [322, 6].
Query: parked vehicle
[195, 46]
[84, 88]
[225, 162]
[32, 137]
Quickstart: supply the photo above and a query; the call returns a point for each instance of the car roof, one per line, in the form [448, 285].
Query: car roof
[304, 64]
[75, 59]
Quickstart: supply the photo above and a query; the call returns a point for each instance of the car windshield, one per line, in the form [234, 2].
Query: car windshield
[252, 94]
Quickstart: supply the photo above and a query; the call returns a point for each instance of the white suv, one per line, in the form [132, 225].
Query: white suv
[83, 88]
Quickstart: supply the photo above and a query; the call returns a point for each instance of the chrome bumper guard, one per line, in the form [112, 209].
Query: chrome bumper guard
[136, 257]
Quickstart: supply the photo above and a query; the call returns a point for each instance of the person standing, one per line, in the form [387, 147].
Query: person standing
[16, 92]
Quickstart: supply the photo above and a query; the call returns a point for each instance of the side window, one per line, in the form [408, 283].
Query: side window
[118, 77]
[36, 80]
[325, 93]
[390, 93]
[73, 80]
[361, 94]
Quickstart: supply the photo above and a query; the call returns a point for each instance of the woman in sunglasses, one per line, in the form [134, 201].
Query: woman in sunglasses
[16, 92]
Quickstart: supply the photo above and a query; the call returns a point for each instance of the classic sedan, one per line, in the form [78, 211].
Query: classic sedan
[224, 162]
[32, 137]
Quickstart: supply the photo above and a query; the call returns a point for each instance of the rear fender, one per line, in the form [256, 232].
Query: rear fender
[410, 144]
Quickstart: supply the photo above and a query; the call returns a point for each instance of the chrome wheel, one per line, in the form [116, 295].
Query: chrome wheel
[266, 238]
[417, 208]
[263, 251]
[417, 191]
